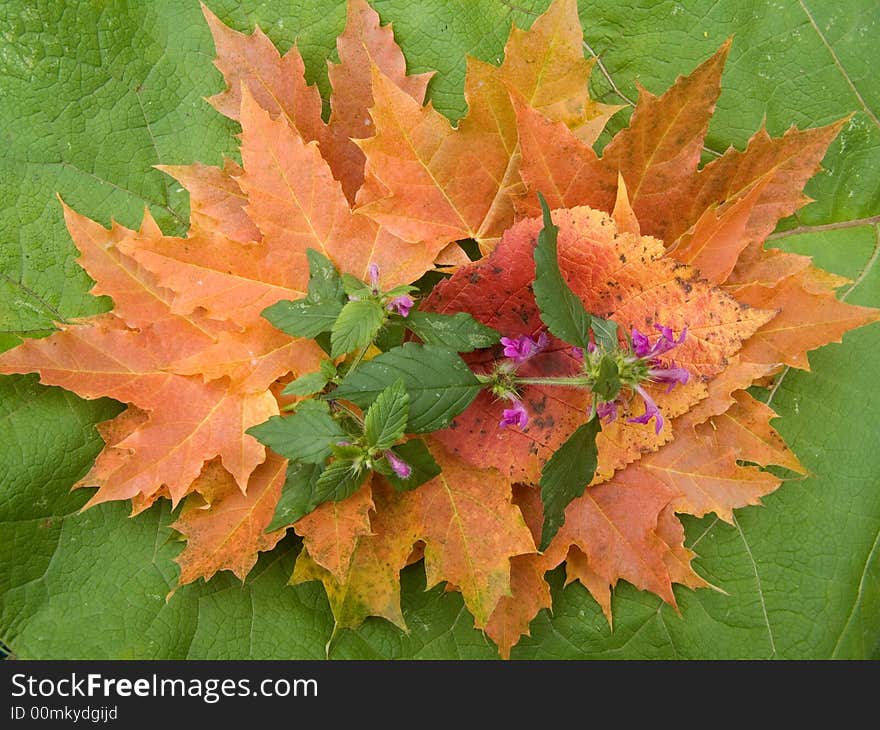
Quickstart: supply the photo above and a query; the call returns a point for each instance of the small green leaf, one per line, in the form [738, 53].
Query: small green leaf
[325, 284]
[304, 436]
[307, 384]
[566, 475]
[303, 318]
[385, 420]
[354, 287]
[561, 310]
[399, 291]
[440, 385]
[415, 453]
[607, 384]
[459, 332]
[316, 313]
[297, 495]
[357, 325]
[339, 480]
[605, 331]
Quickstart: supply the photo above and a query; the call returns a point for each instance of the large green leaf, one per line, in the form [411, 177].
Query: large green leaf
[95, 94]
[439, 384]
[561, 310]
[566, 475]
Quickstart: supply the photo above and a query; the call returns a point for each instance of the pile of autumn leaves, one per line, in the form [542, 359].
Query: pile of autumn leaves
[388, 181]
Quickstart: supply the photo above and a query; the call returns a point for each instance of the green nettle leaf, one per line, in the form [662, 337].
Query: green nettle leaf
[303, 318]
[357, 325]
[607, 384]
[325, 284]
[415, 453]
[319, 310]
[439, 383]
[561, 310]
[307, 384]
[605, 331]
[459, 332]
[339, 480]
[385, 420]
[297, 495]
[354, 287]
[566, 475]
[304, 436]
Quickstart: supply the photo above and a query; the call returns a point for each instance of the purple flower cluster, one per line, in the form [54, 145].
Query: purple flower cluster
[399, 305]
[642, 364]
[649, 354]
[518, 350]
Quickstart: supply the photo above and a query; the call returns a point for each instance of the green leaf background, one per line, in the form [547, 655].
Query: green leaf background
[95, 94]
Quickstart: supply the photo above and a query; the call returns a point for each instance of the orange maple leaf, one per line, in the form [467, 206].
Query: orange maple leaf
[428, 181]
[228, 532]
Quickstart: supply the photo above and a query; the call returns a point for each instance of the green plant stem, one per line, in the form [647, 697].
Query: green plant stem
[581, 382]
[342, 407]
[359, 356]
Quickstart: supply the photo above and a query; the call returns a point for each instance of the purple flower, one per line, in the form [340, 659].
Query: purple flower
[651, 411]
[374, 276]
[667, 339]
[517, 416]
[400, 467]
[607, 411]
[672, 375]
[641, 345]
[401, 305]
[519, 349]
[643, 349]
